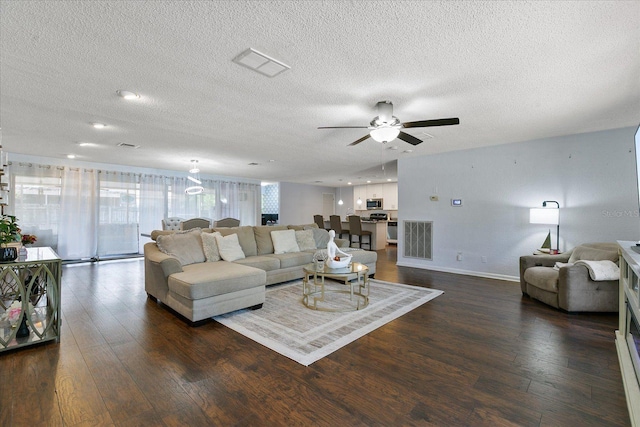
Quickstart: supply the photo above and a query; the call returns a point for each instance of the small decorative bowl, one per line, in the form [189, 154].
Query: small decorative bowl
[344, 262]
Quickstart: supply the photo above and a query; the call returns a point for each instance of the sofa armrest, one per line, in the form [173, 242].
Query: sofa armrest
[576, 289]
[528, 261]
[168, 263]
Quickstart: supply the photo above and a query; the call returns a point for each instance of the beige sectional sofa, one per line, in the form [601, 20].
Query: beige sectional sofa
[183, 272]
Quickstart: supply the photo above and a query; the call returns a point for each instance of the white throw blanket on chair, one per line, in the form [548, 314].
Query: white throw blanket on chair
[601, 270]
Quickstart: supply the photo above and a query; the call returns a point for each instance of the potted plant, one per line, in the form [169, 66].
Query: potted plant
[9, 233]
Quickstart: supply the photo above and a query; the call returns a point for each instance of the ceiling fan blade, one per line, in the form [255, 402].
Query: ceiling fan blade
[343, 127]
[409, 138]
[430, 123]
[360, 140]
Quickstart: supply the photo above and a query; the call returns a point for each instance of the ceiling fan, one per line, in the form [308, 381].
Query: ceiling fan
[386, 127]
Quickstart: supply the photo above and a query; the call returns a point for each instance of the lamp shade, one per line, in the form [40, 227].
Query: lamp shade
[544, 216]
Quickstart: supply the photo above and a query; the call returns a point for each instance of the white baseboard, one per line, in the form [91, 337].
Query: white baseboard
[464, 272]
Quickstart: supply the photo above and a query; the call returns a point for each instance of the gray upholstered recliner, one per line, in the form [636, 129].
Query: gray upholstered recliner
[570, 287]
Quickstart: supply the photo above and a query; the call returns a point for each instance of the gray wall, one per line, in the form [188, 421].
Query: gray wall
[300, 202]
[592, 176]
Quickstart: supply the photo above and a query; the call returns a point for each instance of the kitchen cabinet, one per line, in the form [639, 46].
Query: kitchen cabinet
[374, 191]
[390, 195]
[359, 192]
[388, 192]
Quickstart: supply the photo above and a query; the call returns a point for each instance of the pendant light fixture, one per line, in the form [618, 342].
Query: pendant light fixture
[340, 202]
[197, 188]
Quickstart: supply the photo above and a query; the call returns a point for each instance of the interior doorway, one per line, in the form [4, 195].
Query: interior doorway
[328, 204]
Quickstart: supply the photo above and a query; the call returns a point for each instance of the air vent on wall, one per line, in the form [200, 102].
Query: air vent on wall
[126, 145]
[261, 63]
[418, 239]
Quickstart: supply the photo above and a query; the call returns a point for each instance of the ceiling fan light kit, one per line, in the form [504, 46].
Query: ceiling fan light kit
[385, 134]
[385, 127]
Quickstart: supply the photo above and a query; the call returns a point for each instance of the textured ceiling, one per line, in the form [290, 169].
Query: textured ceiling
[510, 70]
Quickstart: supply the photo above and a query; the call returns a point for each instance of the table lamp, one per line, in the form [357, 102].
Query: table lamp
[547, 215]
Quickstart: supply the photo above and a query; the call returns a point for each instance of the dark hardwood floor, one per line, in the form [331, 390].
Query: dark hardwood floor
[479, 355]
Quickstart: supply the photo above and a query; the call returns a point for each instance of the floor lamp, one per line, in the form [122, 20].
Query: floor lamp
[547, 215]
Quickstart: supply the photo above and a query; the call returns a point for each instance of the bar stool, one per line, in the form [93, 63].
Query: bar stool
[355, 225]
[336, 225]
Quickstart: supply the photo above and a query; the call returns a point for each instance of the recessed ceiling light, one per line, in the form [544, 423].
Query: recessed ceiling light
[408, 151]
[71, 156]
[127, 94]
[349, 183]
[388, 179]
[99, 125]
[368, 181]
[86, 144]
[253, 164]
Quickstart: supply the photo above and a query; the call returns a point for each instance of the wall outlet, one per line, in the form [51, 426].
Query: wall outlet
[459, 256]
[434, 198]
[484, 259]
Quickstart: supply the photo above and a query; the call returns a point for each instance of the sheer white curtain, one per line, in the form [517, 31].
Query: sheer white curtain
[118, 227]
[180, 203]
[153, 205]
[85, 213]
[238, 200]
[78, 222]
[34, 198]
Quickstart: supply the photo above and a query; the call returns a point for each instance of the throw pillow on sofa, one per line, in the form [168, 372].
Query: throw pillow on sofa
[229, 247]
[284, 241]
[210, 246]
[246, 238]
[321, 237]
[305, 240]
[184, 245]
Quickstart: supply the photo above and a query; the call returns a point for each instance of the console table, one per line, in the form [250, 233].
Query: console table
[30, 289]
[628, 334]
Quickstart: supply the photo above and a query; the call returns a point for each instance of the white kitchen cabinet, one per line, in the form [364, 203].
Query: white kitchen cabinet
[390, 196]
[359, 192]
[374, 191]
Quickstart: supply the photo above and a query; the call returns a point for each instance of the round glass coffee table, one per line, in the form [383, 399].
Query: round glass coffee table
[352, 280]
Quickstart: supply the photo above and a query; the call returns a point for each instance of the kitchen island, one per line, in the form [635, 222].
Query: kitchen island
[378, 231]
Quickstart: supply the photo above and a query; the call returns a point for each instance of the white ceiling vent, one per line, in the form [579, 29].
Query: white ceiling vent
[261, 63]
[125, 145]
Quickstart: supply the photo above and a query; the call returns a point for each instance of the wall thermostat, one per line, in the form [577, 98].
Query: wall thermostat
[456, 202]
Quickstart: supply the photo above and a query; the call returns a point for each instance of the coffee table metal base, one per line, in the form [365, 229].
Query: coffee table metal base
[354, 277]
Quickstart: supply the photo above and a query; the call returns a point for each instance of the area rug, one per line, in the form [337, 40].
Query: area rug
[286, 326]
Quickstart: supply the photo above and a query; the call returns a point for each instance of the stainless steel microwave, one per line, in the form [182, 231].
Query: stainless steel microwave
[374, 204]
